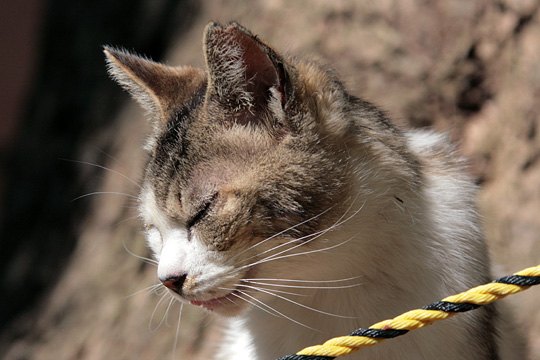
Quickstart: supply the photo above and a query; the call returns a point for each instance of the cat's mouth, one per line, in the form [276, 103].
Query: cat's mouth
[229, 303]
[212, 304]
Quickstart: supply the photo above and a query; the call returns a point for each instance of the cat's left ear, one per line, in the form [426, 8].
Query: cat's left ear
[160, 89]
[245, 75]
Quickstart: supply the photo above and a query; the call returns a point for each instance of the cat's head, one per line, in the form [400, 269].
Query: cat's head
[248, 165]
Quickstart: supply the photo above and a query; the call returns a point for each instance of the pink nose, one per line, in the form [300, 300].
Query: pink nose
[175, 282]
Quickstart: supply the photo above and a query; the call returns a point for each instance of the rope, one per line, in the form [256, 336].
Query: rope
[416, 319]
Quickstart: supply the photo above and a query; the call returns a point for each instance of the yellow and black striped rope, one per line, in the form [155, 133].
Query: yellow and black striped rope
[415, 319]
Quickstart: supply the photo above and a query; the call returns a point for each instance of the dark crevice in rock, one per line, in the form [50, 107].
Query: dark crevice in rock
[531, 160]
[473, 92]
[501, 6]
[533, 130]
[522, 23]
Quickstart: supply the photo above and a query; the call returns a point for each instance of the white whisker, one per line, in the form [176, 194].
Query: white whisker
[105, 193]
[154, 313]
[282, 232]
[275, 257]
[314, 236]
[107, 169]
[284, 292]
[177, 330]
[143, 258]
[166, 315]
[160, 290]
[147, 289]
[250, 302]
[228, 298]
[290, 241]
[306, 252]
[278, 312]
[295, 240]
[266, 291]
[305, 281]
[136, 217]
[302, 286]
[255, 305]
[339, 222]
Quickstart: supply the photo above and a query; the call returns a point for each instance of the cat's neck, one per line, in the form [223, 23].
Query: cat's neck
[400, 246]
[384, 280]
[374, 264]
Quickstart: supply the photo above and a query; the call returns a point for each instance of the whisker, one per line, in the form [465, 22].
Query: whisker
[282, 291]
[230, 300]
[134, 206]
[313, 236]
[129, 218]
[278, 312]
[266, 291]
[282, 232]
[105, 168]
[160, 290]
[167, 311]
[254, 304]
[339, 222]
[154, 313]
[110, 156]
[143, 258]
[303, 286]
[271, 258]
[286, 243]
[105, 193]
[283, 244]
[307, 252]
[147, 289]
[177, 330]
[305, 281]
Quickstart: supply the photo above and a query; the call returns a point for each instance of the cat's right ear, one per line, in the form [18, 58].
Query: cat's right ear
[160, 89]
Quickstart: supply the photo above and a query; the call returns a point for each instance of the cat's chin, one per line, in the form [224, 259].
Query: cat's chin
[227, 305]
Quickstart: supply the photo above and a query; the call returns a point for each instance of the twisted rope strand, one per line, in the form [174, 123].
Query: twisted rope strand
[415, 319]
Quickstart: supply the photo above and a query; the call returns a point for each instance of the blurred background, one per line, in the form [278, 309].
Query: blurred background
[70, 146]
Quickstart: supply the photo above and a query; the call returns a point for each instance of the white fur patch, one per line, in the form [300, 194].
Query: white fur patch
[178, 255]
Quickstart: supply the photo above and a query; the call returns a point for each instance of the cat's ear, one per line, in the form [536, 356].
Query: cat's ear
[245, 74]
[159, 88]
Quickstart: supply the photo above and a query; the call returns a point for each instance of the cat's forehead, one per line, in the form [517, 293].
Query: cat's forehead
[206, 152]
[199, 156]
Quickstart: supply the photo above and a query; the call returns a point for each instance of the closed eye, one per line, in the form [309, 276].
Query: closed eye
[205, 208]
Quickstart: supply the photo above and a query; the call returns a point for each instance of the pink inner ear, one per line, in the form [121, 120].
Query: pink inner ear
[261, 73]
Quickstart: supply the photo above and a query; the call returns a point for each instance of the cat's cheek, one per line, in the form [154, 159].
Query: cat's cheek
[155, 242]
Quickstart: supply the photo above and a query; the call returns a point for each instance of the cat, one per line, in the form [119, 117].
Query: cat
[277, 199]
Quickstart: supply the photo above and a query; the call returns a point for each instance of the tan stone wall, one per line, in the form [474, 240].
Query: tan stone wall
[468, 67]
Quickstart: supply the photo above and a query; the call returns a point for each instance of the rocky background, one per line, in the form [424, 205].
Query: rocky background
[70, 285]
